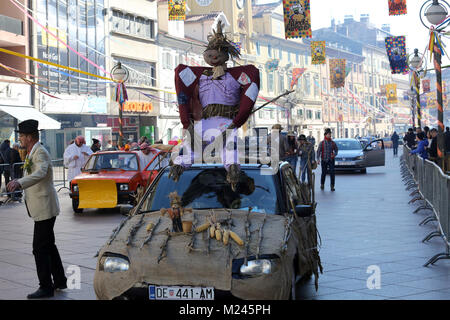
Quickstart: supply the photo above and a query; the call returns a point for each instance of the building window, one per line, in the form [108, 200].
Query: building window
[261, 114]
[307, 85]
[269, 50]
[133, 25]
[270, 82]
[289, 56]
[297, 58]
[300, 113]
[316, 86]
[306, 60]
[309, 114]
[167, 60]
[280, 54]
[318, 115]
[258, 49]
[281, 83]
[261, 80]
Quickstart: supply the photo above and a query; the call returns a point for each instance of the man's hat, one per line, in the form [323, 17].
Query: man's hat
[277, 127]
[94, 141]
[28, 126]
[327, 130]
[302, 137]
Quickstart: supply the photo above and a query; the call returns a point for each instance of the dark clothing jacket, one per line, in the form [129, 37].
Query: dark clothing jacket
[394, 139]
[447, 141]
[16, 170]
[432, 150]
[410, 139]
[5, 157]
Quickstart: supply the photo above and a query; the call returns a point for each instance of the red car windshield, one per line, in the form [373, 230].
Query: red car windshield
[112, 161]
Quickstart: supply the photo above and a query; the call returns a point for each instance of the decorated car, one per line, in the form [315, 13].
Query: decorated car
[112, 178]
[197, 239]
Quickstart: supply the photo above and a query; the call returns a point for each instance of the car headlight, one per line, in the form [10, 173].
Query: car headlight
[123, 187]
[257, 267]
[359, 158]
[75, 188]
[114, 264]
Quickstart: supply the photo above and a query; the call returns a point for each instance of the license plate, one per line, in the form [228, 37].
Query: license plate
[346, 163]
[180, 293]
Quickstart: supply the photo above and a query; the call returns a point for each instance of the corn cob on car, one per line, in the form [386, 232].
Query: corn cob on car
[255, 243]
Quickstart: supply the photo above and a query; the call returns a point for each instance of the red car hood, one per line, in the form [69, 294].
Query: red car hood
[119, 176]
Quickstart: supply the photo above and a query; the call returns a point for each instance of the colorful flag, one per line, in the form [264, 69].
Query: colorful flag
[296, 74]
[318, 52]
[271, 65]
[426, 85]
[391, 93]
[297, 19]
[397, 7]
[177, 10]
[337, 73]
[396, 51]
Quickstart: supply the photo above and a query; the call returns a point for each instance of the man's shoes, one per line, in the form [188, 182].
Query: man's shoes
[41, 293]
[332, 188]
[322, 186]
[60, 286]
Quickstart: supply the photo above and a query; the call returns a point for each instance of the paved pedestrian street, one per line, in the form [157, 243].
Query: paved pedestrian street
[366, 225]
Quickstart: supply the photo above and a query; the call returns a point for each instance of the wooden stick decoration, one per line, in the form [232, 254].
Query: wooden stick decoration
[134, 229]
[273, 100]
[247, 235]
[163, 253]
[194, 225]
[260, 236]
[152, 231]
[117, 230]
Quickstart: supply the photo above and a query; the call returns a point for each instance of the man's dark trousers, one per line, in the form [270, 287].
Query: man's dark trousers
[46, 255]
[327, 167]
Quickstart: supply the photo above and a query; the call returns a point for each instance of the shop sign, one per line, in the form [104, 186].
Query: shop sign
[138, 107]
[14, 94]
[69, 104]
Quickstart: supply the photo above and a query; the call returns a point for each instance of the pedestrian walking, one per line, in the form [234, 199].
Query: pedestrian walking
[74, 157]
[292, 151]
[394, 139]
[42, 204]
[327, 151]
[311, 139]
[5, 161]
[422, 146]
[307, 158]
[281, 143]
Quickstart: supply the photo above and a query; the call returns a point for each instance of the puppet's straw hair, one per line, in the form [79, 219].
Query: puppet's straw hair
[218, 41]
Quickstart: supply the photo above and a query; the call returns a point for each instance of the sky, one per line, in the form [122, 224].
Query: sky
[409, 25]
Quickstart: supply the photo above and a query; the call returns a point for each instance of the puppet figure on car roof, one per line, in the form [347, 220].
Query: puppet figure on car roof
[213, 103]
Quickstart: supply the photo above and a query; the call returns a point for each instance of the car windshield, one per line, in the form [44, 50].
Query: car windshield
[112, 161]
[348, 144]
[207, 189]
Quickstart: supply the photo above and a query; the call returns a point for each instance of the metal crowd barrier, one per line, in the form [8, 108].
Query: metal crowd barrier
[16, 172]
[433, 188]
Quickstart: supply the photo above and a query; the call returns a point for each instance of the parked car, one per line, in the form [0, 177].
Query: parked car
[144, 259]
[352, 155]
[110, 178]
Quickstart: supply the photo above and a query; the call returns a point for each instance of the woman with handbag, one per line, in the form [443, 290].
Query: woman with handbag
[307, 158]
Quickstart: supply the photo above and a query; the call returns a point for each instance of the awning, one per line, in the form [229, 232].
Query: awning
[26, 113]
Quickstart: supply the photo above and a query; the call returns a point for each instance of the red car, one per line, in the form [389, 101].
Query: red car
[110, 178]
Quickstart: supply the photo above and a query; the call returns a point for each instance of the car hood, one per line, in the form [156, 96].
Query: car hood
[110, 175]
[349, 153]
[185, 259]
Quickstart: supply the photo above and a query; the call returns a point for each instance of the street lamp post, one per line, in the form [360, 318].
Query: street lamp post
[121, 75]
[436, 12]
[416, 67]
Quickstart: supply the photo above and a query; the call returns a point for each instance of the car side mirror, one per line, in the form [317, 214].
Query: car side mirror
[303, 210]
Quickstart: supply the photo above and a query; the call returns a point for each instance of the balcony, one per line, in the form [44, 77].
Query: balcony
[11, 25]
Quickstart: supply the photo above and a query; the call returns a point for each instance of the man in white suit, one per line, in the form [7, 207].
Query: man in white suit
[75, 157]
[42, 204]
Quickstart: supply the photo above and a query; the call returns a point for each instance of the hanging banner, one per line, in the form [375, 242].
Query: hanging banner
[297, 19]
[296, 74]
[237, 45]
[318, 52]
[177, 10]
[391, 93]
[271, 65]
[397, 7]
[337, 73]
[396, 51]
[426, 85]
